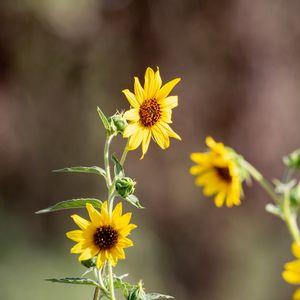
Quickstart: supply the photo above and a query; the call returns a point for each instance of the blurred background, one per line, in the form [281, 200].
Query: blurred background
[240, 69]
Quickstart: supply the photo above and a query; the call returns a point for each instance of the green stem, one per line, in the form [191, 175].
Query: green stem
[110, 199]
[111, 282]
[290, 219]
[106, 160]
[122, 160]
[97, 293]
[265, 184]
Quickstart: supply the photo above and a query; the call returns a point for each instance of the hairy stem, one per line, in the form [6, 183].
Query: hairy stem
[96, 293]
[111, 282]
[122, 161]
[290, 219]
[265, 184]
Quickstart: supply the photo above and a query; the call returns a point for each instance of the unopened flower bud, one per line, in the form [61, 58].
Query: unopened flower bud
[125, 186]
[293, 159]
[117, 123]
[138, 293]
[295, 195]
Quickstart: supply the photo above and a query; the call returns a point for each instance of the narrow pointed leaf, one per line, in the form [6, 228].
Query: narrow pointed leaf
[73, 203]
[119, 170]
[132, 199]
[103, 119]
[79, 169]
[74, 280]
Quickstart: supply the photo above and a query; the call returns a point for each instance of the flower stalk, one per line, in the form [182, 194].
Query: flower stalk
[289, 216]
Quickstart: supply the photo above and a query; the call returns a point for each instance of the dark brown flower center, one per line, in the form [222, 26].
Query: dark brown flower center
[149, 112]
[105, 237]
[224, 174]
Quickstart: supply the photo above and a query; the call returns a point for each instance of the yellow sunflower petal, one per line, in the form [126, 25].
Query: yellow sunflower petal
[296, 295]
[296, 250]
[220, 199]
[291, 277]
[132, 115]
[117, 212]
[158, 81]
[131, 98]
[125, 243]
[149, 86]
[88, 253]
[78, 248]
[100, 260]
[167, 88]
[201, 158]
[160, 137]
[206, 178]
[146, 142]
[169, 102]
[136, 139]
[94, 215]
[120, 253]
[75, 235]
[130, 130]
[126, 230]
[81, 222]
[165, 127]
[104, 213]
[197, 169]
[123, 221]
[138, 91]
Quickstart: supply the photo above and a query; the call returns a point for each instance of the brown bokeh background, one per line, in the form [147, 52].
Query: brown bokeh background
[59, 59]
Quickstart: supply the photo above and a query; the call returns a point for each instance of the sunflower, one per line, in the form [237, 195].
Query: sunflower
[218, 173]
[103, 236]
[151, 112]
[292, 271]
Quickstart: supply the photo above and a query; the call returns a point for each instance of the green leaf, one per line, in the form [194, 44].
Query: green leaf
[119, 170]
[94, 170]
[103, 119]
[74, 280]
[274, 210]
[73, 203]
[132, 199]
[152, 296]
[122, 285]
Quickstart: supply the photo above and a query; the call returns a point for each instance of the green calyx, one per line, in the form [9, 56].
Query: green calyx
[125, 186]
[117, 123]
[293, 160]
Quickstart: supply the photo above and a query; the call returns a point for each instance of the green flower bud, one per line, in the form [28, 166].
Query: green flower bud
[125, 186]
[117, 123]
[137, 293]
[293, 159]
[295, 195]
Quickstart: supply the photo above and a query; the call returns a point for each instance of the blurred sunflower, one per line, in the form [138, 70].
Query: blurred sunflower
[291, 274]
[151, 112]
[103, 236]
[218, 173]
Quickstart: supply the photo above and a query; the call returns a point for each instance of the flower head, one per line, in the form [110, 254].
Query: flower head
[151, 112]
[291, 274]
[103, 236]
[218, 173]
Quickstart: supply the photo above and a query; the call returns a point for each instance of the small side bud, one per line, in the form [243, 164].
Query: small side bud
[295, 195]
[125, 186]
[138, 293]
[117, 123]
[293, 160]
